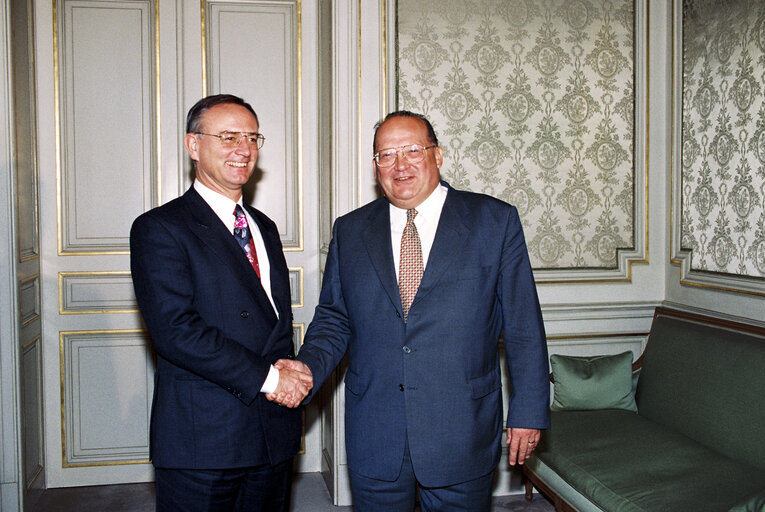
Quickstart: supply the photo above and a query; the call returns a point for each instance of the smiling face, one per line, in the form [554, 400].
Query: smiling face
[407, 184]
[224, 170]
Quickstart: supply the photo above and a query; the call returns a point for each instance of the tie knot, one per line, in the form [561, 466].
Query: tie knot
[240, 221]
[411, 214]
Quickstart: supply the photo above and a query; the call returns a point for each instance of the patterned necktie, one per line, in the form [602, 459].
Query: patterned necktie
[410, 264]
[243, 236]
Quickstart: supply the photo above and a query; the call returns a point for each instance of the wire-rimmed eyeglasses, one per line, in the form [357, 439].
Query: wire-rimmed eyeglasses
[233, 139]
[413, 152]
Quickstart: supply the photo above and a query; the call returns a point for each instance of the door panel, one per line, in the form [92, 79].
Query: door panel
[116, 80]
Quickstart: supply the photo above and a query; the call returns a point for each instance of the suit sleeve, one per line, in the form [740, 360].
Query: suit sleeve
[523, 333]
[163, 281]
[327, 337]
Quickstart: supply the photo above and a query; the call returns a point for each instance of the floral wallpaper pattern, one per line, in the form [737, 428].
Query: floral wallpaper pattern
[533, 102]
[723, 136]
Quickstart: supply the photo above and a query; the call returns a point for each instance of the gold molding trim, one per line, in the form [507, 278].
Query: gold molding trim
[38, 300]
[203, 24]
[57, 125]
[157, 104]
[300, 224]
[61, 279]
[299, 328]
[62, 392]
[301, 284]
[57, 121]
[34, 253]
[361, 166]
[678, 256]
[623, 270]
[31, 342]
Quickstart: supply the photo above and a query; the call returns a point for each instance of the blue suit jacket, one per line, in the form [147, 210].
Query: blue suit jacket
[215, 334]
[436, 379]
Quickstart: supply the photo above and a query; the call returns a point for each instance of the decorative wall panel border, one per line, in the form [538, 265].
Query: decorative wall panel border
[107, 150]
[25, 132]
[718, 149]
[106, 390]
[543, 105]
[298, 331]
[96, 292]
[32, 403]
[268, 33]
[296, 287]
[29, 299]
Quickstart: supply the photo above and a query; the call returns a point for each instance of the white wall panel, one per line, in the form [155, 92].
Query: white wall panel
[96, 292]
[252, 51]
[107, 388]
[106, 122]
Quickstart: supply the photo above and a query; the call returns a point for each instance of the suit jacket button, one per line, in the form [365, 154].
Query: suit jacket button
[401, 387]
[244, 314]
[407, 349]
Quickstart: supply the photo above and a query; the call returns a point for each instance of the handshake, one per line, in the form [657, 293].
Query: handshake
[295, 382]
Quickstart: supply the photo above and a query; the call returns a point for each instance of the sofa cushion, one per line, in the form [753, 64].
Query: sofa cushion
[622, 461]
[755, 503]
[592, 383]
[706, 382]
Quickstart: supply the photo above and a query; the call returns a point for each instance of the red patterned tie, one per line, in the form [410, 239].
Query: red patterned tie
[410, 264]
[243, 236]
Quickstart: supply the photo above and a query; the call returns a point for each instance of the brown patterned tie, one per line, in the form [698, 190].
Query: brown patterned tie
[410, 264]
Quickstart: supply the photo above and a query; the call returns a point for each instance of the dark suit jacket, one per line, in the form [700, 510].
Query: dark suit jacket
[436, 379]
[215, 334]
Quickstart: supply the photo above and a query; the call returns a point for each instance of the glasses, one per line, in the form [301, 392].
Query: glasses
[414, 153]
[232, 140]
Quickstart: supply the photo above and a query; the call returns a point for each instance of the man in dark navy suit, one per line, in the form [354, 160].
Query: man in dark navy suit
[213, 287]
[417, 287]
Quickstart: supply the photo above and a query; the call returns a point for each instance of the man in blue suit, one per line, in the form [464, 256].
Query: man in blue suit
[417, 288]
[213, 287]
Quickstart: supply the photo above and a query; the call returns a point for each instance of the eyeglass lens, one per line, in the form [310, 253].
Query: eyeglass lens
[413, 154]
[254, 140]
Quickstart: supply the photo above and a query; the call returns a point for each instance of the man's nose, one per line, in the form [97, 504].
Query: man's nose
[243, 148]
[402, 162]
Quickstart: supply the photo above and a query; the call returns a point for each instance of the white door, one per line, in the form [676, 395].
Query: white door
[115, 79]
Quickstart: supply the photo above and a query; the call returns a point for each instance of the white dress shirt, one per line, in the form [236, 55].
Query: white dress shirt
[428, 215]
[224, 209]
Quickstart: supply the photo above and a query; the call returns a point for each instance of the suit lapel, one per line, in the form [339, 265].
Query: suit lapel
[378, 244]
[451, 236]
[279, 287]
[208, 227]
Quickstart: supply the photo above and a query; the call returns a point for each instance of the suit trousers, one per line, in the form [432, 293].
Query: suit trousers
[262, 488]
[372, 495]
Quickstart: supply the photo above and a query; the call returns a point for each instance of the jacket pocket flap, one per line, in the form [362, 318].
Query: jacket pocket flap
[485, 384]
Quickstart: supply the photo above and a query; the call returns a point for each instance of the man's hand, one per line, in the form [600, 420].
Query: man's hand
[522, 442]
[295, 382]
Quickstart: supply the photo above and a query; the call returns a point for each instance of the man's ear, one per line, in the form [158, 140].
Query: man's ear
[191, 142]
[438, 152]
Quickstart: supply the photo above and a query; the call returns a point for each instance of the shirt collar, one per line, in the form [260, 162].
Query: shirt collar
[429, 210]
[222, 206]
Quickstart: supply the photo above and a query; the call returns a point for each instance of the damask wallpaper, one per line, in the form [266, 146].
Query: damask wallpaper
[533, 102]
[723, 136]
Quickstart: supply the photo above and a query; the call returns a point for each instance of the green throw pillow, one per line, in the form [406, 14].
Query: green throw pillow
[755, 503]
[590, 383]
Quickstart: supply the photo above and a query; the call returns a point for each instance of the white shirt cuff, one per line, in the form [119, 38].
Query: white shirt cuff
[272, 381]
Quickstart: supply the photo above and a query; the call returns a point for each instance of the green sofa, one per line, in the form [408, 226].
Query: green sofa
[696, 442]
